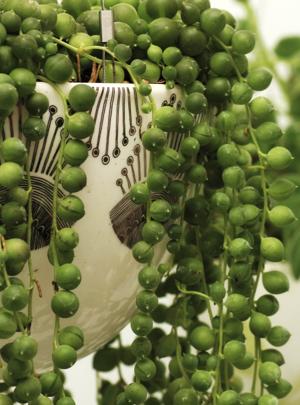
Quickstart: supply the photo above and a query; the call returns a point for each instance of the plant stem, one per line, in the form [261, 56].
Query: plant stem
[259, 353]
[261, 263]
[221, 314]
[197, 293]
[54, 221]
[205, 286]
[122, 380]
[254, 380]
[58, 91]
[78, 50]
[29, 233]
[98, 386]
[85, 52]
[263, 175]
[54, 229]
[178, 357]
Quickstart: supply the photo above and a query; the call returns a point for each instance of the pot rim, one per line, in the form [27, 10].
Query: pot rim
[131, 85]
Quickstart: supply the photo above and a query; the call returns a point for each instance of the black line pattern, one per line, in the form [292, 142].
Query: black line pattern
[116, 111]
[116, 152]
[124, 136]
[42, 193]
[128, 219]
[42, 212]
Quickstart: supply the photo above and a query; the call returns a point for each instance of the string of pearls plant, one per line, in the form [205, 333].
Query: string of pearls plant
[217, 196]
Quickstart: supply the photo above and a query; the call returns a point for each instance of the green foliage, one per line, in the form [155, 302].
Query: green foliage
[288, 47]
[217, 191]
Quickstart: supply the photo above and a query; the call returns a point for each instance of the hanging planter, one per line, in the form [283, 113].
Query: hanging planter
[116, 195]
[112, 224]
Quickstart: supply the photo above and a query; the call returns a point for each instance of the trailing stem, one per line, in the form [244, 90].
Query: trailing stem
[261, 263]
[221, 315]
[54, 228]
[29, 234]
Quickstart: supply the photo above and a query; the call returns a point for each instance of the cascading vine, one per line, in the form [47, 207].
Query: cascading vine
[67, 276]
[210, 202]
[17, 222]
[223, 195]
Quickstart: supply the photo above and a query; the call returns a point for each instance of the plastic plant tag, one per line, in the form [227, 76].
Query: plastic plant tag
[107, 31]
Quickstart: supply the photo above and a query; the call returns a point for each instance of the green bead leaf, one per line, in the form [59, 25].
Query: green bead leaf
[288, 47]
[293, 253]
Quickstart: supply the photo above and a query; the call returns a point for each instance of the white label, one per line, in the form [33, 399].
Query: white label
[107, 25]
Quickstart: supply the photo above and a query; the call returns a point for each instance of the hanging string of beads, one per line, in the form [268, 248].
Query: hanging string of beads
[210, 202]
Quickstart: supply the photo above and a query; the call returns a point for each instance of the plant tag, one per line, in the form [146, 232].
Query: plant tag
[107, 26]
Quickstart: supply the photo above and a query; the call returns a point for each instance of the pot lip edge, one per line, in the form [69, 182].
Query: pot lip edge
[107, 85]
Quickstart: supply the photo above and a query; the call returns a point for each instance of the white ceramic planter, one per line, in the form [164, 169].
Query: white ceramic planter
[112, 222]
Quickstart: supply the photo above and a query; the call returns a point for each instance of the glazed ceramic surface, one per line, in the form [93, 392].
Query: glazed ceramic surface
[112, 222]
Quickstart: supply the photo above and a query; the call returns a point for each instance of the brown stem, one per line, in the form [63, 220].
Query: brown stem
[39, 288]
